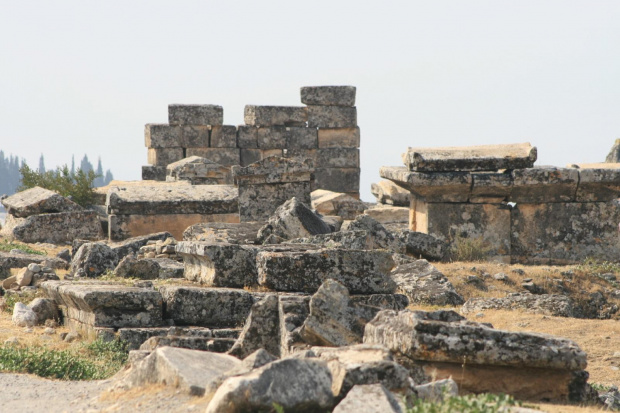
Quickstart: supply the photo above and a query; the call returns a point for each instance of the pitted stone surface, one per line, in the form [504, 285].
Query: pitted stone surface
[369, 398]
[54, 228]
[195, 114]
[419, 244]
[198, 171]
[36, 201]
[387, 192]
[293, 219]
[261, 329]
[548, 304]
[431, 186]
[93, 259]
[336, 203]
[383, 238]
[328, 95]
[238, 233]
[275, 115]
[274, 169]
[424, 284]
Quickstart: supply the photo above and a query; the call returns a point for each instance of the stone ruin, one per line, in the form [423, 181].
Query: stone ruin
[522, 213]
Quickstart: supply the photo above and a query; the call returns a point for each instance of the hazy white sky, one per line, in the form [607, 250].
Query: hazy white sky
[82, 77]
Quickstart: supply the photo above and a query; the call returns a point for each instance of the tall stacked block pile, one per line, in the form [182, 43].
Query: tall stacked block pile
[324, 131]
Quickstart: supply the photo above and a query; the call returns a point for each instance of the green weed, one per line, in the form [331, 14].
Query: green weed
[469, 249]
[7, 246]
[480, 403]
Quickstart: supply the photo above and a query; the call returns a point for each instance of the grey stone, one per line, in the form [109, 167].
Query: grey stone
[362, 272]
[206, 307]
[132, 245]
[36, 201]
[544, 184]
[332, 117]
[190, 371]
[223, 156]
[153, 173]
[338, 158]
[431, 186]
[301, 138]
[292, 312]
[338, 179]
[274, 170]
[45, 309]
[334, 203]
[339, 137]
[383, 238]
[157, 135]
[20, 259]
[328, 95]
[249, 156]
[598, 184]
[424, 284]
[23, 316]
[471, 158]
[394, 302]
[275, 115]
[293, 219]
[149, 268]
[333, 319]
[369, 398]
[422, 245]
[387, 192]
[444, 336]
[214, 345]
[194, 136]
[272, 137]
[549, 304]
[237, 233]
[261, 329]
[259, 202]
[54, 228]
[610, 398]
[135, 337]
[195, 114]
[246, 137]
[614, 153]
[93, 259]
[294, 384]
[356, 240]
[437, 391]
[164, 156]
[224, 136]
[219, 264]
[491, 187]
[64, 254]
[388, 215]
[198, 171]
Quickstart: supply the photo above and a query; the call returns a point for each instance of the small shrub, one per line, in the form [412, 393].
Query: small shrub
[469, 249]
[7, 246]
[596, 267]
[79, 186]
[481, 403]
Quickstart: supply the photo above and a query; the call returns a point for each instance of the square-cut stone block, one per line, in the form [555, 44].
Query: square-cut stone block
[194, 136]
[273, 137]
[224, 136]
[162, 136]
[544, 184]
[338, 158]
[275, 115]
[339, 137]
[249, 156]
[247, 137]
[223, 156]
[164, 156]
[332, 117]
[337, 179]
[301, 138]
[328, 95]
[153, 173]
[431, 186]
[195, 115]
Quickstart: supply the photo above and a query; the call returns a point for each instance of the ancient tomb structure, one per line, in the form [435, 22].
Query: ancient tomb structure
[325, 131]
[521, 213]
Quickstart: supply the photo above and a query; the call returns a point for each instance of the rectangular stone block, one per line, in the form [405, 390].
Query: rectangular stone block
[544, 184]
[490, 187]
[273, 137]
[470, 158]
[153, 173]
[241, 233]
[164, 156]
[56, 228]
[338, 158]
[194, 136]
[247, 137]
[275, 115]
[162, 136]
[258, 202]
[206, 307]
[301, 138]
[332, 117]
[328, 95]
[195, 115]
[487, 224]
[224, 136]
[219, 264]
[598, 184]
[198, 171]
[361, 271]
[337, 179]
[310, 154]
[431, 186]
[223, 156]
[135, 337]
[273, 170]
[565, 233]
[339, 137]
[249, 156]
[36, 201]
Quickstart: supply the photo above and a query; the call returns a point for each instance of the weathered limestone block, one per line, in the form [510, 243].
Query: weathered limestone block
[454, 223]
[293, 219]
[309, 155]
[195, 114]
[301, 138]
[369, 398]
[45, 309]
[189, 370]
[292, 312]
[219, 264]
[237, 233]
[328, 95]
[299, 385]
[153, 173]
[470, 158]
[258, 202]
[133, 245]
[247, 137]
[89, 305]
[424, 284]
[419, 244]
[214, 345]
[249, 156]
[275, 115]
[338, 179]
[332, 117]
[23, 316]
[164, 156]
[16, 259]
[198, 171]
[206, 307]
[172, 199]
[135, 337]
[490, 187]
[339, 137]
[356, 240]
[564, 233]
[431, 186]
[599, 184]
[93, 259]
[394, 302]
[614, 154]
[362, 272]
[338, 158]
[335, 203]
[261, 329]
[36, 201]
[223, 156]
[549, 304]
[544, 185]
[224, 136]
[56, 228]
[281, 137]
[383, 238]
[333, 319]
[149, 268]
[193, 136]
[272, 170]
[388, 214]
[387, 192]
[158, 135]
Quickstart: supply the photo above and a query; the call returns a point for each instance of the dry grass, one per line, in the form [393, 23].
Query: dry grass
[35, 338]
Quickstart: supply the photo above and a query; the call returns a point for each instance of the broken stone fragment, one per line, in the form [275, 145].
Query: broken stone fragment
[214, 345]
[300, 385]
[37, 200]
[387, 192]
[383, 238]
[292, 312]
[20, 259]
[293, 219]
[54, 228]
[336, 203]
[195, 114]
[23, 316]
[261, 329]
[148, 268]
[198, 171]
[45, 309]
[328, 95]
[369, 398]
[355, 240]
[424, 284]
[93, 259]
[548, 304]
[232, 233]
[333, 319]
[419, 244]
[470, 158]
[614, 153]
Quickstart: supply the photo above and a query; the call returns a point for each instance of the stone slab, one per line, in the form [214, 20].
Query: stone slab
[424, 284]
[338, 180]
[431, 186]
[164, 156]
[258, 202]
[273, 170]
[490, 187]
[598, 184]
[292, 312]
[198, 171]
[213, 345]
[544, 185]
[301, 138]
[338, 158]
[153, 173]
[328, 95]
[223, 156]
[332, 117]
[193, 136]
[9, 260]
[336, 203]
[339, 137]
[158, 135]
[470, 158]
[387, 192]
[224, 136]
[237, 233]
[249, 156]
[195, 114]
[388, 214]
[247, 137]
[36, 201]
[55, 228]
[275, 115]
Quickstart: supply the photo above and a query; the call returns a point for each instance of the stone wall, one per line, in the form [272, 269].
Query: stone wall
[324, 130]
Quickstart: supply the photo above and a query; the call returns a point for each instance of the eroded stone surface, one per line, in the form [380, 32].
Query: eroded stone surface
[614, 153]
[93, 259]
[383, 238]
[54, 228]
[328, 95]
[261, 329]
[424, 284]
[293, 219]
[419, 244]
[195, 114]
[198, 171]
[431, 186]
[387, 192]
[233, 233]
[36, 201]
[275, 115]
[336, 203]
[369, 398]
[548, 304]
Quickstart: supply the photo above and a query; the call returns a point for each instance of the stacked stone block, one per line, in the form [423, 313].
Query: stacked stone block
[324, 131]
